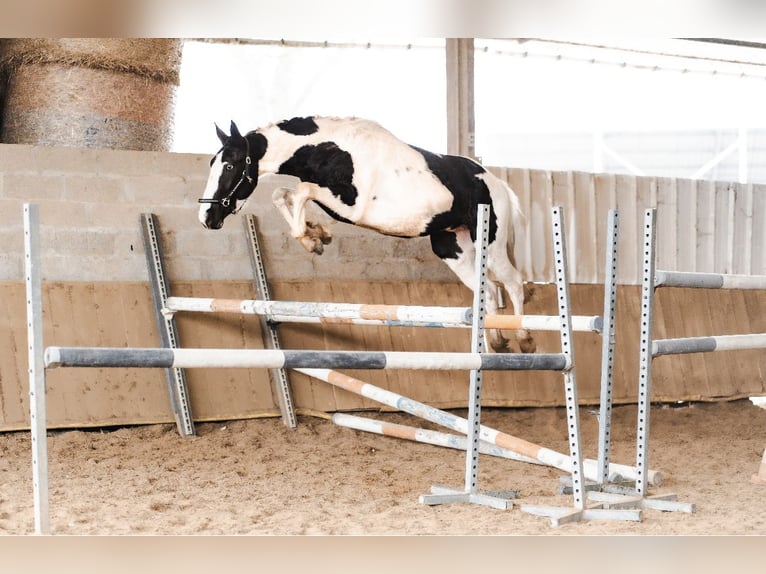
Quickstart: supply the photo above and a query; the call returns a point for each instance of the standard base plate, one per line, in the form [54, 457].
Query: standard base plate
[615, 482]
[443, 495]
[561, 516]
[663, 502]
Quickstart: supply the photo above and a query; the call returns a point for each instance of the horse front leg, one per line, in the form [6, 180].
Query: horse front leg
[291, 203]
[282, 200]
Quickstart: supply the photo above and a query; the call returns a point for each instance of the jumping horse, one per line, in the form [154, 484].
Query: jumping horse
[360, 173]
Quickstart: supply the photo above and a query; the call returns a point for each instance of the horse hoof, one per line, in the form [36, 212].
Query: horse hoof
[501, 345]
[528, 345]
[529, 292]
[317, 232]
[312, 245]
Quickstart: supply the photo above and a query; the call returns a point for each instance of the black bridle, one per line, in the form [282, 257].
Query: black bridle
[226, 201]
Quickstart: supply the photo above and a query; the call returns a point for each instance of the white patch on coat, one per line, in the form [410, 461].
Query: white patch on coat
[211, 187]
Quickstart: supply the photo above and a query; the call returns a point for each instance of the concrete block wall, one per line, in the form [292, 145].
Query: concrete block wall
[91, 199]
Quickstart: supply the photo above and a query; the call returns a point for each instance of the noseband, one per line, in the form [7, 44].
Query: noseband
[226, 201]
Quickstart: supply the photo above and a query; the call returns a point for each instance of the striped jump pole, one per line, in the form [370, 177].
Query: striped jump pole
[425, 436]
[105, 357]
[708, 344]
[386, 315]
[457, 442]
[525, 450]
[708, 280]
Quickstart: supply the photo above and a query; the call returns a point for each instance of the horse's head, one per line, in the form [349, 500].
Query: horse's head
[233, 176]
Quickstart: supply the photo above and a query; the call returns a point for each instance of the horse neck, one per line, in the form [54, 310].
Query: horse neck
[280, 147]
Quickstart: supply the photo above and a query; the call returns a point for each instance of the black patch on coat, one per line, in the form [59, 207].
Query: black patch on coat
[332, 214]
[444, 244]
[327, 165]
[258, 145]
[299, 126]
[459, 175]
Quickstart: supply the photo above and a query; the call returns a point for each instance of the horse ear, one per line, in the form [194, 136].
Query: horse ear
[221, 135]
[234, 130]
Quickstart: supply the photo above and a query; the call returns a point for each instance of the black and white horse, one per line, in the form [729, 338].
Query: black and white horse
[360, 173]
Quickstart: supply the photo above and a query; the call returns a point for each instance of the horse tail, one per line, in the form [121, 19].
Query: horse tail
[516, 221]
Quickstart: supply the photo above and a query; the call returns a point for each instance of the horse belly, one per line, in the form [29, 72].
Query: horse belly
[404, 204]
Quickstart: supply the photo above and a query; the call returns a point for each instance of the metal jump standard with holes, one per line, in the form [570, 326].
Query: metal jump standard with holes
[37, 408]
[652, 348]
[274, 312]
[470, 493]
[279, 379]
[174, 359]
[581, 511]
[166, 326]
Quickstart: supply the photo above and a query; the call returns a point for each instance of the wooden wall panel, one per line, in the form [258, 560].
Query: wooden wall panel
[707, 226]
[14, 381]
[120, 314]
[232, 393]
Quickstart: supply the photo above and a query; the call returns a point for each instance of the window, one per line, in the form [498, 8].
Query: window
[399, 85]
[673, 108]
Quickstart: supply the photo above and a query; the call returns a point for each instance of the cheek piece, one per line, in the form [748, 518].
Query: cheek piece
[245, 177]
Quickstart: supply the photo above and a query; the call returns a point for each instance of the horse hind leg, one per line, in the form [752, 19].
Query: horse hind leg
[495, 337]
[458, 252]
[504, 272]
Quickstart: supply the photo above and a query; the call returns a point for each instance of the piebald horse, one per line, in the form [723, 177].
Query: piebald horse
[359, 173]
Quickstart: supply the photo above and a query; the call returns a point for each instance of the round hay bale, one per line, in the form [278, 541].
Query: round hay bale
[82, 92]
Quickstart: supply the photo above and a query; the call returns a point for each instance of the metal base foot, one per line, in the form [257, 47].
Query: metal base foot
[663, 502]
[615, 481]
[444, 495]
[559, 516]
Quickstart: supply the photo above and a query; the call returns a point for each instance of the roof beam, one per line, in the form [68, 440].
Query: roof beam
[460, 103]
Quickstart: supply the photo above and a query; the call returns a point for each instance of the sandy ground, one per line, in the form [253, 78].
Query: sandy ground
[258, 477]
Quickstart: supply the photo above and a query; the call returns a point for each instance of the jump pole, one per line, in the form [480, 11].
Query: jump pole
[425, 436]
[457, 442]
[708, 344]
[518, 449]
[361, 314]
[106, 357]
[708, 280]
